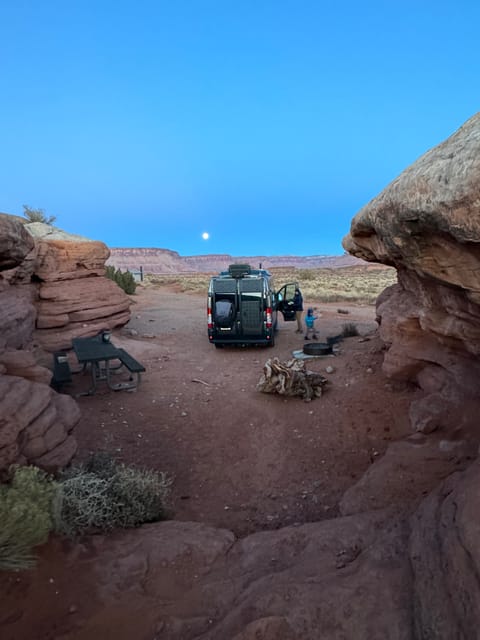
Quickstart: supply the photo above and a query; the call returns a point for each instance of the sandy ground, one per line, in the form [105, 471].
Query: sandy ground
[241, 459]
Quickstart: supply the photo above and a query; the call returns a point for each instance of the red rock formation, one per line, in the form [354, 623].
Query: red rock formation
[426, 223]
[363, 577]
[36, 425]
[51, 290]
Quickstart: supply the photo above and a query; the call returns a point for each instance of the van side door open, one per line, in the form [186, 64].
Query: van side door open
[285, 301]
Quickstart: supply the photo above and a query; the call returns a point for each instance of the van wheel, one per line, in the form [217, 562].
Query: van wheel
[272, 342]
[219, 346]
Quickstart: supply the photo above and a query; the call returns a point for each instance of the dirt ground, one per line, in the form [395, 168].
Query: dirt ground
[242, 459]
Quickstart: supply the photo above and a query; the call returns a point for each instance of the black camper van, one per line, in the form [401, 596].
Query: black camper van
[243, 305]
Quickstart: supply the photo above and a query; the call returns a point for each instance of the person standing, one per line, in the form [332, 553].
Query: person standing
[298, 307]
[310, 324]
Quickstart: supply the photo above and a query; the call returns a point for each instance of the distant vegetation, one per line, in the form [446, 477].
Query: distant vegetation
[360, 284]
[37, 215]
[125, 280]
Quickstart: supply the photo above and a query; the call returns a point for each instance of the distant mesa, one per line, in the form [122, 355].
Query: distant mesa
[164, 261]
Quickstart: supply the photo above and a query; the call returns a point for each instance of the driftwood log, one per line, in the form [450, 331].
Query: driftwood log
[290, 379]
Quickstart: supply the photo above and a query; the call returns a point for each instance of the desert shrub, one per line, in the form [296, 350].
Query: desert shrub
[141, 494]
[305, 275]
[25, 516]
[101, 495]
[82, 504]
[37, 215]
[125, 280]
[349, 329]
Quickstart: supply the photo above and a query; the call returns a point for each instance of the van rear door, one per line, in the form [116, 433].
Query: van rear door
[252, 306]
[224, 306]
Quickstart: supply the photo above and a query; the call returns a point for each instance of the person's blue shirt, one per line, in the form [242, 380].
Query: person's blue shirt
[310, 319]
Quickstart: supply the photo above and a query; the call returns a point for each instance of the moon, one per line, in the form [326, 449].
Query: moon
[205, 235]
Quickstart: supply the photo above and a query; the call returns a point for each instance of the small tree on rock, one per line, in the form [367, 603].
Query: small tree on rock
[37, 215]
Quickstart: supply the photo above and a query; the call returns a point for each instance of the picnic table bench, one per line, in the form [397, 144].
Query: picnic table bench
[102, 358]
[131, 364]
[62, 373]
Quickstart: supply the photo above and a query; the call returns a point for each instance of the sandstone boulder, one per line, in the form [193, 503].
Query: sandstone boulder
[426, 223]
[189, 581]
[78, 307]
[15, 242]
[445, 555]
[59, 260]
[75, 297]
[36, 424]
[17, 315]
[24, 364]
[52, 288]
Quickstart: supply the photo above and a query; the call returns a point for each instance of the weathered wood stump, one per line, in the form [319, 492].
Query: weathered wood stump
[291, 379]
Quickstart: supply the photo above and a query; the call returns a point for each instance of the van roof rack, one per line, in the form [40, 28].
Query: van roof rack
[239, 270]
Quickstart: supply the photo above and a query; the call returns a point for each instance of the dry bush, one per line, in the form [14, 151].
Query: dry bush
[101, 495]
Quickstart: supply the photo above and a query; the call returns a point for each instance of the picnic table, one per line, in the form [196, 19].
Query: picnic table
[102, 357]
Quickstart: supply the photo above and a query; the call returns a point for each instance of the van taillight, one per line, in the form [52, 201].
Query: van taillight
[269, 318]
[209, 318]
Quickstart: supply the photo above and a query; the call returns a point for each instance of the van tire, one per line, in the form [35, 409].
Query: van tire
[218, 346]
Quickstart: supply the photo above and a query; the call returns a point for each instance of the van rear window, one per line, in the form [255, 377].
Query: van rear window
[248, 286]
[225, 286]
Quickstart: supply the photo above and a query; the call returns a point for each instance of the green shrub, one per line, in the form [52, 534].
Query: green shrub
[25, 516]
[101, 495]
[125, 280]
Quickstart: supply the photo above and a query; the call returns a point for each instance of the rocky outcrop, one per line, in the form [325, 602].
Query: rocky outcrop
[445, 556]
[74, 296]
[52, 288]
[70, 307]
[370, 576]
[37, 424]
[15, 242]
[426, 223]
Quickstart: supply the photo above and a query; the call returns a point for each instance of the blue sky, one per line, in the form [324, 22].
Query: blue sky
[267, 124]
